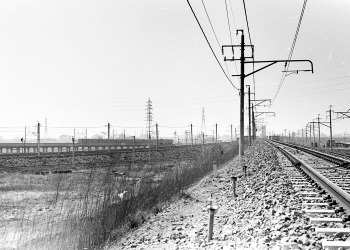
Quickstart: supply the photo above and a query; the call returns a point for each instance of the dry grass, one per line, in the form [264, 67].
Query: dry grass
[83, 210]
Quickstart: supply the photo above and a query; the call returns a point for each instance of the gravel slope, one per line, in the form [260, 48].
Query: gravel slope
[266, 214]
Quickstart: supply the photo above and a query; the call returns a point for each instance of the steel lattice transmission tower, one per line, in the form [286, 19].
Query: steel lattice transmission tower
[149, 118]
[203, 127]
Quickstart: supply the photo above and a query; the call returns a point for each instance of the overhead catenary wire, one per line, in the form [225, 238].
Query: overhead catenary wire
[284, 74]
[229, 29]
[250, 41]
[217, 40]
[205, 36]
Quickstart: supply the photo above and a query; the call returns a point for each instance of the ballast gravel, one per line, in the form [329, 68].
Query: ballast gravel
[266, 214]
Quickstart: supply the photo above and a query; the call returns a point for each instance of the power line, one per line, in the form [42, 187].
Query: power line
[246, 18]
[250, 40]
[229, 29]
[286, 66]
[211, 25]
[228, 22]
[194, 14]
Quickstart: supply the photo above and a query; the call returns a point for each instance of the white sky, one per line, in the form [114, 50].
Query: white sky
[85, 63]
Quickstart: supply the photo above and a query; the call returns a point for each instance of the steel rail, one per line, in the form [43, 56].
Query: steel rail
[338, 194]
[325, 156]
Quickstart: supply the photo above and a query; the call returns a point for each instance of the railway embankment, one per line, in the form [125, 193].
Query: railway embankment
[266, 214]
[51, 162]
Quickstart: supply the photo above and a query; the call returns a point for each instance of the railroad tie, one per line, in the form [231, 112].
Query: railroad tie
[309, 193]
[314, 204]
[332, 230]
[324, 220]
[312, 198]
[335, 245]
[320, 211]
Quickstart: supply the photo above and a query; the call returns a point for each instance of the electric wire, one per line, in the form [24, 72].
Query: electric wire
[211, 25]
[284, 75]
[205, 36]
[250, 40]
[229, 29]
[246, 18]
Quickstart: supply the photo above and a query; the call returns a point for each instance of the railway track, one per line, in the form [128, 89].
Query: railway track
[323, 182]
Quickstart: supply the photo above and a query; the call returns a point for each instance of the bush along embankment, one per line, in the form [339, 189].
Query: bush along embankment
[110, 216]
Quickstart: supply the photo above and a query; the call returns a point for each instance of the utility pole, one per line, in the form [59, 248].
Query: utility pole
[216, 133]
[157, 136]
[73, 141]
[289, 135]
[249, 119]
[253, 122]
[241, 114]
[319, 131]
[203, 143]
[25, 139]
[330, 126]
[306, 135]
[108, 136]
[313, 129]
[231, 135]
[38, 138]
[310, 135]
[133, 148]
[302, 136]
[191, 136]
[243, 75]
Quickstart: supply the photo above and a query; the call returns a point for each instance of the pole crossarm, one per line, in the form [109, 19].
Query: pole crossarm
[235, 46]
[272, 62]
[260, 113]
[343, 114]
[260, 102]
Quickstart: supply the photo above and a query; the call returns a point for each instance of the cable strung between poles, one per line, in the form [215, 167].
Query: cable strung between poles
[284, 75]
[194, 14]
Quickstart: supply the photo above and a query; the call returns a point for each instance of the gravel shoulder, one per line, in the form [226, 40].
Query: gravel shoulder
[267, 214]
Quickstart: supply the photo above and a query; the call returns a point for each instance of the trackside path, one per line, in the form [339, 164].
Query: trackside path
[267, 213]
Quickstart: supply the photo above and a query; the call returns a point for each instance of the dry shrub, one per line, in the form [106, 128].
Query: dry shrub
[89, 211]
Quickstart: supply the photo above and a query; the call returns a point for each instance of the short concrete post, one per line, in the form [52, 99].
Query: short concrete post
[234, 179]
[211, 209]
[215, 168]
[245, 171]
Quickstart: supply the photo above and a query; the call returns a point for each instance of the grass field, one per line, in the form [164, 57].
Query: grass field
[82, 210]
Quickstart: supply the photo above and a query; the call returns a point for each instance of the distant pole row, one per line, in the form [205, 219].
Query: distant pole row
[308, 133]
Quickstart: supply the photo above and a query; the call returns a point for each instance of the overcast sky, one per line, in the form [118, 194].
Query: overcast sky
[85, 63]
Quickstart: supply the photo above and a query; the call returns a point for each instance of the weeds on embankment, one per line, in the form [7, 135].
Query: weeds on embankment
[85, 210]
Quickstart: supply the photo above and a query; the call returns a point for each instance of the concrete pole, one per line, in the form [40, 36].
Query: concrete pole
[253, 122]
[25, 139]
[231, 135]
[191, 136]
[216, 133]
[330, 126]
[133, 148]
[38, 138]
[241, 120]
[310, 134]
[73, 141]
[313, 130]
[319, 131]
[108, 137]
[249, 119]
[157, 136]
[302, 136]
